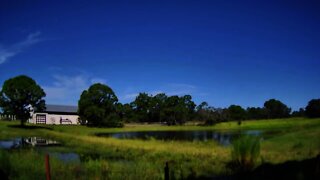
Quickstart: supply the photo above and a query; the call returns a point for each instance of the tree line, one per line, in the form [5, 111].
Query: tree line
[99, 106]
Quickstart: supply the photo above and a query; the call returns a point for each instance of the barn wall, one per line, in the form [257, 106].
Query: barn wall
[55, 118]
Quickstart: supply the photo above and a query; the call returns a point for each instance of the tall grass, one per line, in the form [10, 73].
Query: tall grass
[245, 152]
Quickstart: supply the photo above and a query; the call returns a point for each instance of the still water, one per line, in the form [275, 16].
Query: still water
[222, 137]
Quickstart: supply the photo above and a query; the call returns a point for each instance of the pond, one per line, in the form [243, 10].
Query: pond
[222, 137]
[40, 144]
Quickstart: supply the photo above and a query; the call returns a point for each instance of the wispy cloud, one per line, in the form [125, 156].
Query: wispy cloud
[67, 89]
[8, 52]
[170, 89]
[180, 89]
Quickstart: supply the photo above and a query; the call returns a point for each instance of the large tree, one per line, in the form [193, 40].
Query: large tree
[98, 106]
[173, 112]
[187, 102]
[237, 112]
[202, 106]
[313, 108]
[256, 113]
[158, 102]
[19, 95]
[128, 113]
[206, 113]
[178, 110]
[143, 107]
[276, 109]
[159, 108]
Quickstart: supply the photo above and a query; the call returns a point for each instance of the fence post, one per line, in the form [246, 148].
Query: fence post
[166, 171]
[47, 162]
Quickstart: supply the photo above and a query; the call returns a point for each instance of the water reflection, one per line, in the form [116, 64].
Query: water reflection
[222, 137]
[26, 142]
[42, 145]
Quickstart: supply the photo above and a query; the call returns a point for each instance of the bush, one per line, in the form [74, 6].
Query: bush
[245, 152]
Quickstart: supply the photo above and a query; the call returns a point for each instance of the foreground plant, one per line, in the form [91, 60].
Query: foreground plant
[245, 152]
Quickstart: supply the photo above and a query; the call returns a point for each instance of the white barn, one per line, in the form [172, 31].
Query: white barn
[56, 114]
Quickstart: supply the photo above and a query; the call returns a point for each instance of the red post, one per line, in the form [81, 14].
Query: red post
[48, 176]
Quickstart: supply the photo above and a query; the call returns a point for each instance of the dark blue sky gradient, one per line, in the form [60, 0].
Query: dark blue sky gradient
[222, 52]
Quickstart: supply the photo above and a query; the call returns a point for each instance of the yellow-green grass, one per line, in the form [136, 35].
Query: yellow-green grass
[297, 139]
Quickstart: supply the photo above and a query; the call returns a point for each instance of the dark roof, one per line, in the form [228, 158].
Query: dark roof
[61, 108]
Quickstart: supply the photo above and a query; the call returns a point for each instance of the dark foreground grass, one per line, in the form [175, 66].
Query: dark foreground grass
[108, 158]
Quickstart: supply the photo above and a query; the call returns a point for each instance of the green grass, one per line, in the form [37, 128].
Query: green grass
[296, 139]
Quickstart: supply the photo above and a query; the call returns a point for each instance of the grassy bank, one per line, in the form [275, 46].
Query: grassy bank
[296, 139]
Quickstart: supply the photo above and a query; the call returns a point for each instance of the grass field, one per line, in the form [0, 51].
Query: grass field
[109, 158]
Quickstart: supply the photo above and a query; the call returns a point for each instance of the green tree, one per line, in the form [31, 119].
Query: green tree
[143, 106]
[276, 109]
[158, 103]
[313, 108]
[189, 105]
[19, 95]
[178, 110]
[202, 111]
[159, 108]
[256, 113]
[202, 106]
[218, 115]
[172, 112]
[98, 106]
[128, 113]
[206, 113]
[237, 112]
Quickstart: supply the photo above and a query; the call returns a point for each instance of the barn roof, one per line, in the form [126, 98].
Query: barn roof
[61, 108]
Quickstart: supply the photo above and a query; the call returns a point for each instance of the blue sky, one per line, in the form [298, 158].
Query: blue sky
[222, 52]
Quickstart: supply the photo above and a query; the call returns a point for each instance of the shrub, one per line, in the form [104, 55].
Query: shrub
[245, 152]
